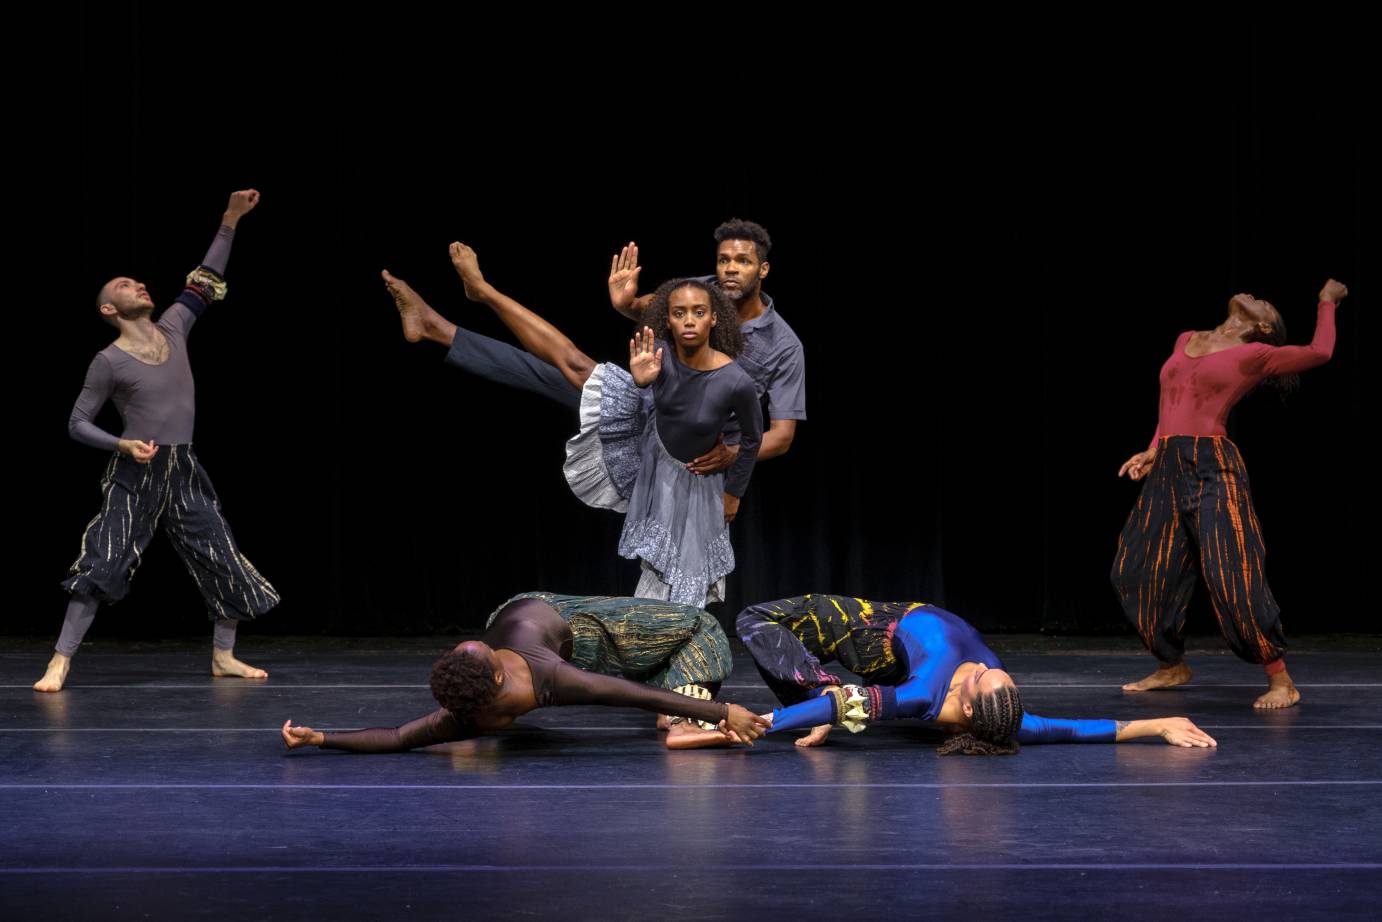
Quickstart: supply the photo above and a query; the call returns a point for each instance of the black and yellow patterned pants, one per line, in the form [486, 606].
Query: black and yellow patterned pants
[790, 639]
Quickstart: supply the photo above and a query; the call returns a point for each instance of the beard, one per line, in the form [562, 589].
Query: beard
[736, 295]
[137, 311]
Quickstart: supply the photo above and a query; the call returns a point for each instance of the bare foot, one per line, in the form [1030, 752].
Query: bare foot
[468, 267]
[420, 321]
[815, 738]
[1281, 693]
[664, 722]
[55, 675]
[225, 665]
[686, 735]
[1164, 677]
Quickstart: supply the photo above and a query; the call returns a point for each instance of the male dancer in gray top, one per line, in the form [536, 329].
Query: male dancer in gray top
[772, 353]
[152, 471]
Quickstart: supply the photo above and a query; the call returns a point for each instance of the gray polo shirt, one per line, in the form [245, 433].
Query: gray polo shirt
[774, 359]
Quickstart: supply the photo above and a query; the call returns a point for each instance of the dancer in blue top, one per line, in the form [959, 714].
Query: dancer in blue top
[921, 662]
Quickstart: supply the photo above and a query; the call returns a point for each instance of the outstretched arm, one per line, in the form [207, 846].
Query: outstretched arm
[206, 284]
[437, 727]
[1177, 731]
[576, 686]
[1285, 360]
[218, 255]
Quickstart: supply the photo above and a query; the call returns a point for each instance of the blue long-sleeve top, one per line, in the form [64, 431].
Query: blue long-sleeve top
[933, 643]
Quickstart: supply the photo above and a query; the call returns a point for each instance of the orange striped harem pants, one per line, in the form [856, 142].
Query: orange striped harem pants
[1195, 514]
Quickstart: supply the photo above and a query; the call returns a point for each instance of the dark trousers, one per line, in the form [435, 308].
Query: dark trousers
[1195, 518]
[173, 490]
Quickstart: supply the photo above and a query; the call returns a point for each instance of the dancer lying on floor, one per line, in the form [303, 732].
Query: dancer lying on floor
[545, 650]
[920, 661]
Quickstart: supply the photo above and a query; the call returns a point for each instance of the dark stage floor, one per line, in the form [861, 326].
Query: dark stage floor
[148, 789]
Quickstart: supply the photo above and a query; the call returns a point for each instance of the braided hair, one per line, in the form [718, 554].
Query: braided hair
[993, 728]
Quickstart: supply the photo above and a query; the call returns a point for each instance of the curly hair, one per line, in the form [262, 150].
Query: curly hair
[737, 229]
[724, 336]
[993, 730]
[463, 684]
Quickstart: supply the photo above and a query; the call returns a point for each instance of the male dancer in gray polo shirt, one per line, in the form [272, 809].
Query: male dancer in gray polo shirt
[772, 353]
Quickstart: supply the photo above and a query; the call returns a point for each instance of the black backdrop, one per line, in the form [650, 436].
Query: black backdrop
[987, 238]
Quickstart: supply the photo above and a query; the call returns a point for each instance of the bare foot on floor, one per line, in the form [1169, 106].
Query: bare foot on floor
[687, 735]
[815, 738]
[225, 665]
[1281, 693]
[1164, 677]
[55, 675]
